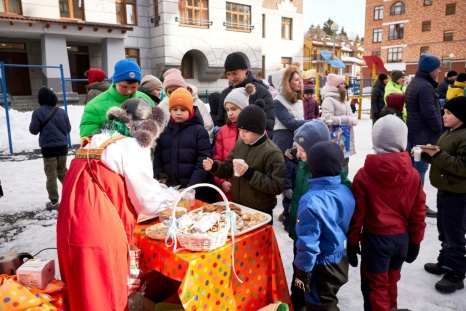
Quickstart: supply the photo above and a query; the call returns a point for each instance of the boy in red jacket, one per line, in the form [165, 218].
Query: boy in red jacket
[389, 219]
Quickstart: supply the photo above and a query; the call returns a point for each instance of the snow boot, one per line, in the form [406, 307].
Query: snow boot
[449, 283]
[434, 268]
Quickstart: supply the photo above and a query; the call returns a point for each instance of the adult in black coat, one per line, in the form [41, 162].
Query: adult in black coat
[377, 97]
[239, 75]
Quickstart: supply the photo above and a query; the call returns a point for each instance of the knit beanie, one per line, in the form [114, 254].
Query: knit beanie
[151, 83]
[240, 96]
[214, 102]
[235, 61]
[95, 75]
[461, 77]
[173, 77]
[382, 77]
[181, 97]
[335, 80]
[396, 101]
[396, 75]
[308, 89]
[126, 69]
[253, 118]
[327, 159]
[457, 106]
[428, 63]
[451, 73]
[389, 134]
[311, 132]
[46, 97]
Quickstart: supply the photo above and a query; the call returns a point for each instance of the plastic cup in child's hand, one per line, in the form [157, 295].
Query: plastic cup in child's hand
[417, 153]
[237, 161]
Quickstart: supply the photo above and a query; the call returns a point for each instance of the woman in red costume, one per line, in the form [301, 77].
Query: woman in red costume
[108, 184]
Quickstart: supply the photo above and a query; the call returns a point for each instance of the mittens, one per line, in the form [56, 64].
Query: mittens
[353, 251]
[289, 193]
[328, 122]
[353, 120]
[302, 279]
[413, 251]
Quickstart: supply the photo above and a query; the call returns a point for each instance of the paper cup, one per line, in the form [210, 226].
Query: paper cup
[236, 161]
[417, 153]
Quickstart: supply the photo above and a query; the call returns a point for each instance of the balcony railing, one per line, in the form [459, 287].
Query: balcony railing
[193, 21]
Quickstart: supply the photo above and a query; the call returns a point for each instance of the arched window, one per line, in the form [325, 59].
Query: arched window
[397, 8]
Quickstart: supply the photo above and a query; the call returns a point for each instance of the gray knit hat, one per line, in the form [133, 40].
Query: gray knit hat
[310, 133]
[389, 134]
[151, 83]
[240, 96]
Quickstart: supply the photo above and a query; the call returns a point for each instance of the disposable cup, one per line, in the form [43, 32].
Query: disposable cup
[417, 153]
[236, 161]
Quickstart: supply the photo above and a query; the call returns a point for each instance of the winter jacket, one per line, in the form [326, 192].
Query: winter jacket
[424, 120]
[180, 151]
[448, 170]
[389, 198]
[53, 138]
[336, 110]
[311, 109]
[262, 92]
[95, 89]
[443, 88]
[377, 97]
[302, 186]
[393, 87]
[263, 181]
[224, 142]
[455, 90]
[95, 112]
[154, 98]
[324, 215]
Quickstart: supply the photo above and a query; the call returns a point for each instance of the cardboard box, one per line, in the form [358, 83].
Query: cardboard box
[36, 272]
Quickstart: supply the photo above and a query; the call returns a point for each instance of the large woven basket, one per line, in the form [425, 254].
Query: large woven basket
[202, 241]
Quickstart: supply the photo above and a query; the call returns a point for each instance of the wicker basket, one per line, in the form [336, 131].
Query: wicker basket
[202, 241]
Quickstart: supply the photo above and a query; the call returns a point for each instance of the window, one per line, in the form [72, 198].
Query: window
[395, 55]
[10, 6]
[377, 53]
[187, 66]
[448, 36]
[446, 61]
[263, 25]
[286, 61]
[450, 9]
[287, 28]
[194, 13]
[133, 54]
[397, 8]
[428, 2]
[426, 26]
[261, 73]
[396, 31]
[156, 13]
[378, 13]
[377, 35]
[238, 17]
[424, 50]
[71, 9]
[126, 12]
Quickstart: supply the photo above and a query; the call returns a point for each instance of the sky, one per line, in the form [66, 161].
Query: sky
[347, 13]
[25, 225]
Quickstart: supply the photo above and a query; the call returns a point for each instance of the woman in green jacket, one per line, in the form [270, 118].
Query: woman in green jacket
[396, 85]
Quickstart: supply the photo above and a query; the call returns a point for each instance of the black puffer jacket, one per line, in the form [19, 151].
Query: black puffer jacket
[261, 92]
[377, 97]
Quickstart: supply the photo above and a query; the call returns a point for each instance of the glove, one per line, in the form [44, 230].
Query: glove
[353, 251]
[302, 279]
[413, 251]
[289, 193]
[353, 120]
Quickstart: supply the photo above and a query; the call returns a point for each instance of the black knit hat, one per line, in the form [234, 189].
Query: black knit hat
[47, 97]
[253, 118]
[451, 73]
[457, 106]
[382, 77]
[235, 61]
[326, 159]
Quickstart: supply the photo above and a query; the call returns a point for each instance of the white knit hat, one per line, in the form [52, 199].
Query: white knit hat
[389, 134]
[240, 96]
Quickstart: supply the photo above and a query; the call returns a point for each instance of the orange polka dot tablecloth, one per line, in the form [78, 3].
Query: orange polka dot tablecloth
[207, 278]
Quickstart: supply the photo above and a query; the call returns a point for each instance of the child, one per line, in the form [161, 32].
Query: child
[54, 126]
[291, 168]
[324, 214]
[305, 137]
[261, 177]
[389, 220]
[447, 174]
[183, 145]
[227, 135]
[310, 105]
[395, 105]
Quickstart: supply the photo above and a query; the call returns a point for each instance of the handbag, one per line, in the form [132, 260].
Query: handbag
[341, 135]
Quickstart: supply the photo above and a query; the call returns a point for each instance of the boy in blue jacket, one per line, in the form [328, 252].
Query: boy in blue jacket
[324, 214]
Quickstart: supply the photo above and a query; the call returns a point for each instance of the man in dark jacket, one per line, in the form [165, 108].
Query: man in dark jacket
[377, 97]
[424, 119]
[238, 74]
[443, 87]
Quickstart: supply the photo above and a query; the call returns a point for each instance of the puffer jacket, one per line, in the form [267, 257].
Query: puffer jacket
[424, 119]
[443, 88]
[336, 110]
[95, 112]
[95, 89]
[180, 151]
[377, 97]
[324, 216]
[225, 141]
[393, 87]
[455, 90]
[389, 198]
[262, 92]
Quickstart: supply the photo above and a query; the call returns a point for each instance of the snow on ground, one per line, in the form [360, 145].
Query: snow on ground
[25, 225]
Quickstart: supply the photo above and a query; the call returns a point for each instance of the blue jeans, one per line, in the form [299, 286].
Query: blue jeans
[420, 166]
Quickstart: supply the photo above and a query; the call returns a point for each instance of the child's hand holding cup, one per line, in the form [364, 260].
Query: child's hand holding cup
[417, 153]
[238, 167]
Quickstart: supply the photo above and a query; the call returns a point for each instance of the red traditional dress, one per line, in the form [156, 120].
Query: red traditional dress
[109, 182]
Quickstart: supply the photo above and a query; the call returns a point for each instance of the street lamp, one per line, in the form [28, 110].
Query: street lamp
[451, 58]
[334, 28]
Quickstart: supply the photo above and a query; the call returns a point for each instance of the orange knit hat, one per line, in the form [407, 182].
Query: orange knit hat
[181, 97]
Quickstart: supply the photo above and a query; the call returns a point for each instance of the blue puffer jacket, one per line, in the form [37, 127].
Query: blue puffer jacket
[424, 119]
[180, 151]
[324, 215]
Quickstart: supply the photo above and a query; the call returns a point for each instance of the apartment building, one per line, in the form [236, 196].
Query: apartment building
[400, 31]
[192, 35]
